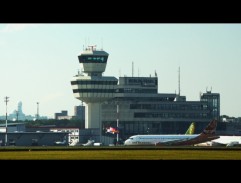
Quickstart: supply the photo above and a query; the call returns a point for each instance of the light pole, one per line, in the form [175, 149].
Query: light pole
[100, 124]
[37, 110]
[117, 122]
[6, 135]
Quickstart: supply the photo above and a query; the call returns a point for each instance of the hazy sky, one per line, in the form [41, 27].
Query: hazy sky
[39, 60]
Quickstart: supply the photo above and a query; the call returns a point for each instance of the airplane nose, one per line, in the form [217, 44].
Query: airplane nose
[126, 142]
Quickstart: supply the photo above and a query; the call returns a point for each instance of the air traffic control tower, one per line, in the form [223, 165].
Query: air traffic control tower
[91, 87]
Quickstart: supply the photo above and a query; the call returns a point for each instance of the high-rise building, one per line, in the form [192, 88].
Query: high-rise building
[213, 101]
[20, 104]
[79, 112]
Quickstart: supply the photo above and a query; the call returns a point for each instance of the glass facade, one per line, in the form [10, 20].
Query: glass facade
[213, 103]
[92, 59]
[92, 82]
[93, 90]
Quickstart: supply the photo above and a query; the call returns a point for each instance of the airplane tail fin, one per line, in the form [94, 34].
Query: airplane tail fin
[112, 130]
[211, 128]
[191, 129]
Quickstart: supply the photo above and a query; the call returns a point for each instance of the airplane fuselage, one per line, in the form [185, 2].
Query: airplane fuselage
[155, 139]
[227, 140]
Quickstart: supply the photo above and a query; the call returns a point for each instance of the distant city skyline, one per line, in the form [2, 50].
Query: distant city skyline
[19, 115]
[39, 60]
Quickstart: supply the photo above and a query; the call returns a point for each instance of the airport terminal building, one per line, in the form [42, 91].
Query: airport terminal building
[141, 109]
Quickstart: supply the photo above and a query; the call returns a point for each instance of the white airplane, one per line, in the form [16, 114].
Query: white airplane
[89, 143]
[60, 142]
[227, 141]
[208, 134]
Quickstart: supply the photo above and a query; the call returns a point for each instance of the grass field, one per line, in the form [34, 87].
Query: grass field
[120, 154]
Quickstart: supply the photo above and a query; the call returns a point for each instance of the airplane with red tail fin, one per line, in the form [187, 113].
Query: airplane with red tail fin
[175, 140]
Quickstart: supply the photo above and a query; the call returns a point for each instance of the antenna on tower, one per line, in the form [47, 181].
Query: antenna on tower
[92, 47]
[179, 81]
[85, 42]
[101, 44]
[132, 69]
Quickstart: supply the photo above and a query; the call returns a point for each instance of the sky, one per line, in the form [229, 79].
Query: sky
[39, 60]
